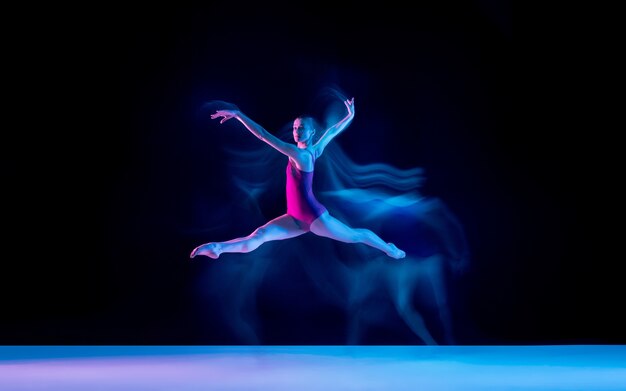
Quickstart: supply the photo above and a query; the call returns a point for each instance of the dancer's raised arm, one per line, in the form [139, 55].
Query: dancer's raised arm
[256, 129]
[334, 130]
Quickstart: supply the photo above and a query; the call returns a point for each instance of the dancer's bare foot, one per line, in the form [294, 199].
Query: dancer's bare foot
[211, 250]
[395, 252]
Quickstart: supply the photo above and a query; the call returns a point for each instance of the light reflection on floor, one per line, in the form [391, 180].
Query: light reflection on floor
[304, 368]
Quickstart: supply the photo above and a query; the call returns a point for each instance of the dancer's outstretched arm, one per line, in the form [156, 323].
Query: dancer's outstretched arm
[334, 130]
[286, 148]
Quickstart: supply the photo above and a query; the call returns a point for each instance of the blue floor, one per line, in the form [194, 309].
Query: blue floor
[303, 368]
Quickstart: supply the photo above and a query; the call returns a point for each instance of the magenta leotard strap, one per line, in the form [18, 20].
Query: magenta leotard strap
[301, 202]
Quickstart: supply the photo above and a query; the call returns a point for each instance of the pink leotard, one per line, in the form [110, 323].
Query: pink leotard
[301, 203]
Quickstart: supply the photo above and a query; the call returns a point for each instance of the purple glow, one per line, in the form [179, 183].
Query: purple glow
[318, 368]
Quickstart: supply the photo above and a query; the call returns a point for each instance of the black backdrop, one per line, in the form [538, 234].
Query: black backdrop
[108, 155]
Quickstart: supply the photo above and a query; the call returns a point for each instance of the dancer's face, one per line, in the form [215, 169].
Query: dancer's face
[302, 130]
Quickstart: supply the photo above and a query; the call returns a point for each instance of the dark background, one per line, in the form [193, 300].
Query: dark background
[108, 157]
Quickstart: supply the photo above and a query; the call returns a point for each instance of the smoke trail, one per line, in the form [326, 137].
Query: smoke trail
[376, 196]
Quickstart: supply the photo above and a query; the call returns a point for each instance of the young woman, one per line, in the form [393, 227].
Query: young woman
[304, 212]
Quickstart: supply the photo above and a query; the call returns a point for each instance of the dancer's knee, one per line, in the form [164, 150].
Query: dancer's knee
[351, 236]
[361, 235]
[259, 233]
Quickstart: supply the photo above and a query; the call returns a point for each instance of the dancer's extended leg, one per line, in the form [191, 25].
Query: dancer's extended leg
[328, 226]
[282, 227]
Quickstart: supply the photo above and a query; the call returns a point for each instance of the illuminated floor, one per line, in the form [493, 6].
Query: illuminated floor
[303, 368]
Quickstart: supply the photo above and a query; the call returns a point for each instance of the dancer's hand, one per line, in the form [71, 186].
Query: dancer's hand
[349, 105]
[225, 114]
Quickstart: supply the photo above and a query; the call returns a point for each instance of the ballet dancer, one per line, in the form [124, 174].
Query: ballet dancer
[304, 212]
